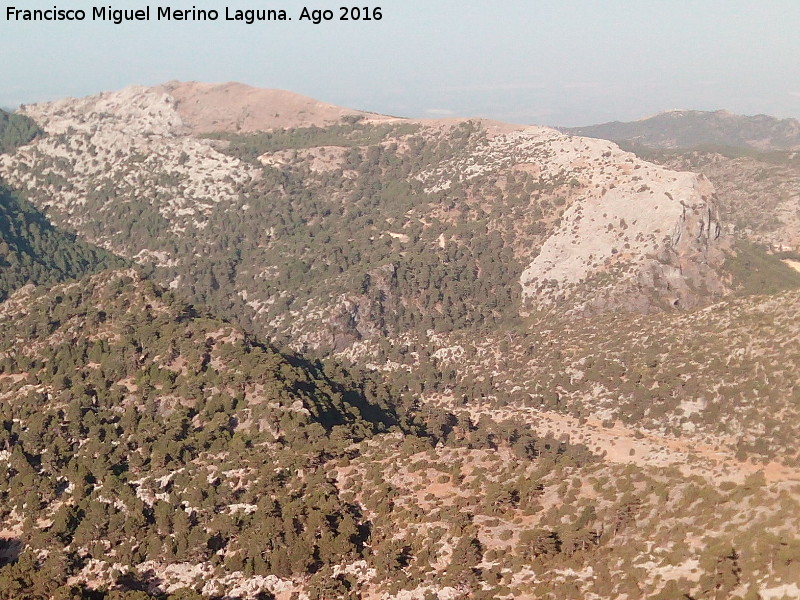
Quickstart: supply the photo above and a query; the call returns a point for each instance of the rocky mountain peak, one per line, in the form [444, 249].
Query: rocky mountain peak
[132, 141]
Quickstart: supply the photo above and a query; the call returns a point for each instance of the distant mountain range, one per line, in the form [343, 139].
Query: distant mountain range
[693, 128]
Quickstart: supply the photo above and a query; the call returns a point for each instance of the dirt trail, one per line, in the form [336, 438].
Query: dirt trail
[626, 445]
[795, 264]
[622, 444]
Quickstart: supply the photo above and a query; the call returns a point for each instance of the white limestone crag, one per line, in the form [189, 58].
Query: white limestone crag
[130, 144]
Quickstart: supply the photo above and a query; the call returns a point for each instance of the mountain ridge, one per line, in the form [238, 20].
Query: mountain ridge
[239, 108]
[143, 157]
[692, 128]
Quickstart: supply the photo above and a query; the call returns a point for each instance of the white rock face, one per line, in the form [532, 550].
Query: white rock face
[631, 223]
[636, 221]
[530, 145]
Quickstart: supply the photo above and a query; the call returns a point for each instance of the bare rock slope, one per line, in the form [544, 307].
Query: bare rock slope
[235, 107]
[641, 225]
[121, 145]
[629, 227]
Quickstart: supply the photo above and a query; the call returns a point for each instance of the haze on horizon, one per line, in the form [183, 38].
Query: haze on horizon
[564, 63]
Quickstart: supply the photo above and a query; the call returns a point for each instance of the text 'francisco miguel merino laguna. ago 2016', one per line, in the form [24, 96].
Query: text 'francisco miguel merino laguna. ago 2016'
[167, 13]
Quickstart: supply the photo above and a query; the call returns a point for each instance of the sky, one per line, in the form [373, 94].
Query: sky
[550, 62]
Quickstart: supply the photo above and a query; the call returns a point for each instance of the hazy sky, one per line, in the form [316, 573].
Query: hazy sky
[555, 62]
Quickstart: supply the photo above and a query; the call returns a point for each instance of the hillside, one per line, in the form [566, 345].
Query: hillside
[758, 193]
[355, 356]
[693, 128]
[723, 376]
[152, 448]
[33, 251]
[127, 416]
[234, 107]
[323, 236]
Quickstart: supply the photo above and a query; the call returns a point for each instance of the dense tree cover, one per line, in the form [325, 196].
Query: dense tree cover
[350, 133]
[16, 130]
[135, 429]
[33, 251]
[29, 579]
[755, 271]
[137, 433]
[121, 389]
[389, 255]
[321, 258]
